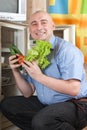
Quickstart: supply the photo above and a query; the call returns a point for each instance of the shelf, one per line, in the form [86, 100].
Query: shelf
[5, 50]
[6, 85]
[6, 68]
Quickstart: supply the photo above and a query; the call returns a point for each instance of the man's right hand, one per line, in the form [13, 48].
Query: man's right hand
[13, 62]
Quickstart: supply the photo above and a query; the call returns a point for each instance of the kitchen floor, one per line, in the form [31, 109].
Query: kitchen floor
[12, 128]
[7, 125]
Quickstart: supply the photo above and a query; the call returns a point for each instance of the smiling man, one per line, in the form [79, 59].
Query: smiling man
[61, 87]
[41, 27]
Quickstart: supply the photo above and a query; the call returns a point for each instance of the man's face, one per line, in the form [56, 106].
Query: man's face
[41, 26]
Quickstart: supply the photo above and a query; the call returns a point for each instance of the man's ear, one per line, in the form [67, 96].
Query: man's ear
[54, 26]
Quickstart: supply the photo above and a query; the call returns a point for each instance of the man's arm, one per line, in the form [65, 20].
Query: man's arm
[26, 88]
[71, 87]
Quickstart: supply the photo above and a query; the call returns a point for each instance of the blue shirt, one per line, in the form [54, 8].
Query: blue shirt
[66, 63]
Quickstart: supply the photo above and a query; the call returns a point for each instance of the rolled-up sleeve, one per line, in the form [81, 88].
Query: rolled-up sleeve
[27, 77]
[70, 63]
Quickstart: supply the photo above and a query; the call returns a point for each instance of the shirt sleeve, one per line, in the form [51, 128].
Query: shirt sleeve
[27, 77]
[70, 63]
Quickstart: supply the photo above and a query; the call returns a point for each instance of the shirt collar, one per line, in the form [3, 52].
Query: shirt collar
[52, 41]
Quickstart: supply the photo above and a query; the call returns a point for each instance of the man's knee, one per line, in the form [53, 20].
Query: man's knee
[38, 122]
[3, 104]
[6, 105]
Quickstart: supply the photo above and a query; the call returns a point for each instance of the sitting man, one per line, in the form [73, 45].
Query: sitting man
[59, 87]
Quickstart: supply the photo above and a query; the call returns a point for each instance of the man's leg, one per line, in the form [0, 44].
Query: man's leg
[20, 110]
[59, 116]
[82, 113]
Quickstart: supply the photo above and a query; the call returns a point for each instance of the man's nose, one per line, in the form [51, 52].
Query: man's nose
[39, 26]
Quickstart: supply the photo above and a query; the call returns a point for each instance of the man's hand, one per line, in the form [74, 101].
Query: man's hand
[13, 62]
[32, 69]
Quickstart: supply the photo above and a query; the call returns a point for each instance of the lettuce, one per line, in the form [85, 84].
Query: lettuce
[39, 53]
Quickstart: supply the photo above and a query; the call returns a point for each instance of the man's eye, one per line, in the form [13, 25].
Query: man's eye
[34, 24]
[44, 22]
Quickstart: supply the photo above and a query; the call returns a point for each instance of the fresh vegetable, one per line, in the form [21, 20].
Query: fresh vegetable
[14, 50]
[20, 59]
[39, 53]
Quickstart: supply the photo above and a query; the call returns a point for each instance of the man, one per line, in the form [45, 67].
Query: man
[57, 86]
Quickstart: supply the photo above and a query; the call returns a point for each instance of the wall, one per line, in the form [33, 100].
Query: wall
[34, 5]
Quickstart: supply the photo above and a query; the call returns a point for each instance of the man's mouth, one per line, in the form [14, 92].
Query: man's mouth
[40, 33]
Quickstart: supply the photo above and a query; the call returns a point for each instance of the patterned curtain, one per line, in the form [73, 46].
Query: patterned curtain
[72, 12]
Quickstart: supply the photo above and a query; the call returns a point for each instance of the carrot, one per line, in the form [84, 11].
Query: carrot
[20, 59]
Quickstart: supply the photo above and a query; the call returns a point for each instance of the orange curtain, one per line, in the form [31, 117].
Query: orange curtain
[72, 12]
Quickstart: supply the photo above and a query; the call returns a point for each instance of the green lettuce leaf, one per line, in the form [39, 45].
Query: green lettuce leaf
[39, 53]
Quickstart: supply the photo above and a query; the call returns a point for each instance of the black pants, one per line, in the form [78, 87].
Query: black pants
[30, 114]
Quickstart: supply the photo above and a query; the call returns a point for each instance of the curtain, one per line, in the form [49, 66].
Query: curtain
[72, 12]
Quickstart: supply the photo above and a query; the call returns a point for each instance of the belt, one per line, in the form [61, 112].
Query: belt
[80, 99]
[80, 103]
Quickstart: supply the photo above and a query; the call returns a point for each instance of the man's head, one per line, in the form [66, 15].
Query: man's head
[41, 26]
